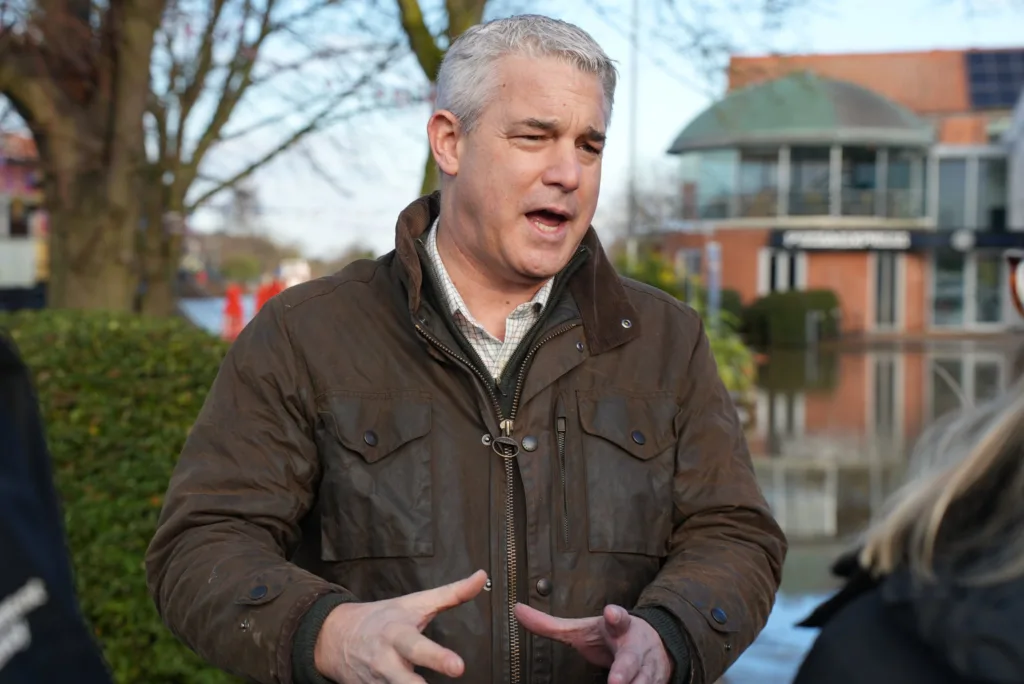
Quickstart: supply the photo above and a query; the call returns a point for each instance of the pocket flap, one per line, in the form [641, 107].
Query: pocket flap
[641, 424]
[375, 425]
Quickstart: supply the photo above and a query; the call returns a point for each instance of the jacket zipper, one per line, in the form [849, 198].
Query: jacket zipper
[507, 426]
[560, 437]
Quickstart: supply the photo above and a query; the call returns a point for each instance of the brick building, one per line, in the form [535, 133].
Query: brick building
[896, 180]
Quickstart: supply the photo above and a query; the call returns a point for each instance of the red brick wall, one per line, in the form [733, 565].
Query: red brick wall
[846, 274]
[933, 82]
[740, 248]
[964, 129]
[916, 273]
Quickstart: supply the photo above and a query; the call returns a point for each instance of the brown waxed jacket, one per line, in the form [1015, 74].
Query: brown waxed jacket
[349, 447]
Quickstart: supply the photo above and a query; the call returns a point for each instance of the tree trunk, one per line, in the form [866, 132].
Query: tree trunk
[159, 253]
[91, 254]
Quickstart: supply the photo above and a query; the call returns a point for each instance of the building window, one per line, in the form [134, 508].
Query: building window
[988, 287]
[905, 183]
[809, 181]
[860, 182]
[780, 270]
[886, 289]
[759, 183]
[948, 297]
[18, 217]
[952, 197]
[992, 194]
[716, 183]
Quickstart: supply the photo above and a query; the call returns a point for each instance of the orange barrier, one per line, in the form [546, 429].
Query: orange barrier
[234, 316]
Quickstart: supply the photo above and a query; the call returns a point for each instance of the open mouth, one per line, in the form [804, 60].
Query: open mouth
[548, 220]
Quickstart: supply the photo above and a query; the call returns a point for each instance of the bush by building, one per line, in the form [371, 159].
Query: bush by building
[781, 319]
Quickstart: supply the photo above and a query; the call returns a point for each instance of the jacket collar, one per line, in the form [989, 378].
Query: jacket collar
[609, 319]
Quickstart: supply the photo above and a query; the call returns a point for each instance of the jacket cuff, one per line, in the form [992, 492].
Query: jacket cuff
[673, 636]
[303, 662]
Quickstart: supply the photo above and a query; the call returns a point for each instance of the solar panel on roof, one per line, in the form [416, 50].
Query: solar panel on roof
[995, 78]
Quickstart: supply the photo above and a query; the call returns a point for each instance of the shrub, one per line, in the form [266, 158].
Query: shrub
[118, 395]
[734, 359]
[780, 319]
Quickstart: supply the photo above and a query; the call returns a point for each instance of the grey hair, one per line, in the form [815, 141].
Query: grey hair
[464, 79]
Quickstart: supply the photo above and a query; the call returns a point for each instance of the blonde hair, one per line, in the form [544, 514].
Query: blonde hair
[963, 499]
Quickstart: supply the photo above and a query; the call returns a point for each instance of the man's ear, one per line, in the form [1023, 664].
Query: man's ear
[444, 133]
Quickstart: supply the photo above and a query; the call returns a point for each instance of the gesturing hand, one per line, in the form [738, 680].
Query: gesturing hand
[629, 646]
[381, 642]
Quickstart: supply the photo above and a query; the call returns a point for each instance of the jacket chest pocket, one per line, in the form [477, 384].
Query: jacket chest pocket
[628, 445]
[376, 495]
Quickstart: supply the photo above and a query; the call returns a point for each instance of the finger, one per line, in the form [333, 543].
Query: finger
[626, 667]
[394, 670]
[616, 620]
[419, 650]
[433, 601]
[542, 624]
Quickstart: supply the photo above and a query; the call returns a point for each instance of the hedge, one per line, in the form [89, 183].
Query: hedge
[118, 395]
[780, 319]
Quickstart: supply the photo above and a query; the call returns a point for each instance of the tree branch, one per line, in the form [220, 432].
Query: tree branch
[422, 42]
[322, 120]
[238, 80]
[203, 64]
[462, 15]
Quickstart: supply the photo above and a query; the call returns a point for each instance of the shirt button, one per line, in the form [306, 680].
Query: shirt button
[579, 346]
[638, 437]
[370, 437]
[258, 592]
[544, 586]
[530, 443]
[719, 615]
[626, 323]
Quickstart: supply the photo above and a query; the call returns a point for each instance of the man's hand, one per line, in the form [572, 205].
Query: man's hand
[629, 646]
[381, 642]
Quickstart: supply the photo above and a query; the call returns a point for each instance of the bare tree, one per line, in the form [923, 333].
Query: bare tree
[144, 110]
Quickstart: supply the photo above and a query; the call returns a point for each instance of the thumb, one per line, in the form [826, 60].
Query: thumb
[616, 620]
[430, 602]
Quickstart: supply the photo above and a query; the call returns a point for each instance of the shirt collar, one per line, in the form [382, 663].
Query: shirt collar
[450, 294]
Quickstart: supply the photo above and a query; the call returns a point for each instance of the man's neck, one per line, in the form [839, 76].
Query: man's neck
[489, 301]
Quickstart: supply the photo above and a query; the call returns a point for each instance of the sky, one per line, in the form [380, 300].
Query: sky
[382, 172]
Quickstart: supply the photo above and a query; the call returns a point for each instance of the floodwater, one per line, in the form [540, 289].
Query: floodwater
[829, 436]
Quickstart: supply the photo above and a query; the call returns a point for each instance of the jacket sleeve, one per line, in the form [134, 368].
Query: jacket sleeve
[726, 550]
[246, 477]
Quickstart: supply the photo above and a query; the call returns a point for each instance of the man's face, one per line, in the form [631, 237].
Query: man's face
[526, 178]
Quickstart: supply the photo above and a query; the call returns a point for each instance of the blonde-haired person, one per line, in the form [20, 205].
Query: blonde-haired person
[935, 591]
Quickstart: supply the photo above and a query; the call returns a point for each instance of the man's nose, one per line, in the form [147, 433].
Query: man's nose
[564, 168]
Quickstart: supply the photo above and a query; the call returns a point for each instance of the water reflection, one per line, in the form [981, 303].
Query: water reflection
[830, 438]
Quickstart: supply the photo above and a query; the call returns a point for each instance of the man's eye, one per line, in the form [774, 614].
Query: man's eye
[591, 149]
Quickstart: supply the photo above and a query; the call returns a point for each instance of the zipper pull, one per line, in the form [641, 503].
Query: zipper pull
[506, 427]
[560, 425]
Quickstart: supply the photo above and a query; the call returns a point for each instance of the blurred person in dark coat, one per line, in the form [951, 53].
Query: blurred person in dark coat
[43, 636]
[935, 593]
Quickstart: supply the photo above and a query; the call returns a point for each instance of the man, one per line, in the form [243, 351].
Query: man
[483, 455]
[43, 636]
